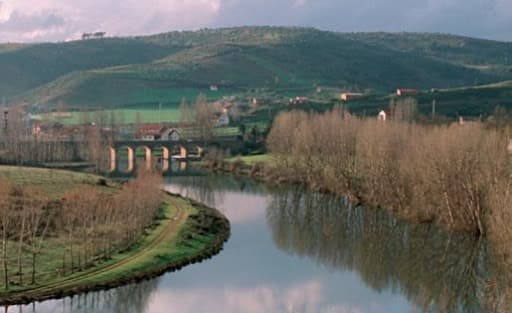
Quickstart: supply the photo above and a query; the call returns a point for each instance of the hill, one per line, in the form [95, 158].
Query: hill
[470, 102]
[286, 61]
[28, 66]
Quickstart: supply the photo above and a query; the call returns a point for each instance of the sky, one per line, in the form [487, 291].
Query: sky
[61, 20]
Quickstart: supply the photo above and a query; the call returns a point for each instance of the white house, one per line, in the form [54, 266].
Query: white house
[382, 116]
[170, 134]
[509, 146]
[214, 88]
[223, 120]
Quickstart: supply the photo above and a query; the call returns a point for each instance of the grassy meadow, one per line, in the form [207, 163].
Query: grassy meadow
[181, 232]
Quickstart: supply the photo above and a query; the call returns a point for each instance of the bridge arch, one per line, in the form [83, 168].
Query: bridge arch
[178, 152]
[147, 152]
[130, 155]
[161, 154]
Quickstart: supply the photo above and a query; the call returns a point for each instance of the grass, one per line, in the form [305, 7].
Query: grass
[147, 114]
[175, 238]
[251, 159]
[165, 244]
[54, 182]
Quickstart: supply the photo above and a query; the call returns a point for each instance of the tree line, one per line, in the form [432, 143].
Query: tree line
[20, 145]
[85, 226]
[456, 175]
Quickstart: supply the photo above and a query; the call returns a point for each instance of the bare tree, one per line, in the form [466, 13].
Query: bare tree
[38, 220]
[204, 115]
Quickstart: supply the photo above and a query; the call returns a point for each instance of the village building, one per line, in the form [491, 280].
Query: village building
[214, 88]
[406, 92]
[152, 132]
[382, 116]
[223, 120]
[509, 148]
[261, 101]
[298, 100]
[347, 96]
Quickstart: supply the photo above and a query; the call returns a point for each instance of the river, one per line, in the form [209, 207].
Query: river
[301, 252]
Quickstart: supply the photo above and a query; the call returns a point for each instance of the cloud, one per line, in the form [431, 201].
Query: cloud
[5, 12]
[299, 3]
[117, 18]
[64, 19]
[304, 297]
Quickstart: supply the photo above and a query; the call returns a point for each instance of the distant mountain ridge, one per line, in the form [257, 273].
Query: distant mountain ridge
[123, 71]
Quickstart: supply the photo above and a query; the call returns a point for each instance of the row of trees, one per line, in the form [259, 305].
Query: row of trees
[450, 174]
[201, 116]
[85, 226]
[91, 141]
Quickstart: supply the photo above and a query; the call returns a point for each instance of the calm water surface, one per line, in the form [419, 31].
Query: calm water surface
[295, 251]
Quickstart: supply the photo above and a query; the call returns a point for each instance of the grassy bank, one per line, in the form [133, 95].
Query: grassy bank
[183, 232]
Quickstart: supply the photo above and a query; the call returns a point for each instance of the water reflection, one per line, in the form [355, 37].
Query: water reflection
[293, 251]
[438, 271]
[132, 298]
[212, 189]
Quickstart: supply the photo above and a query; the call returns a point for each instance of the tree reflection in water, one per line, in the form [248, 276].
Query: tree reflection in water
[436, 270]
[211, 189]
[132, 298]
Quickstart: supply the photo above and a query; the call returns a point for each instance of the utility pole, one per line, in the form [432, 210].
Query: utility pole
[6, 124]
[433, 109]
[160, 113]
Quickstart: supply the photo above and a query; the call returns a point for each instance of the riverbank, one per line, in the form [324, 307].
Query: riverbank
[185, 232]
[254, 166]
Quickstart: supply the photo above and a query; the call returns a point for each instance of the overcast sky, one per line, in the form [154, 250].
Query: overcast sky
[57, 20]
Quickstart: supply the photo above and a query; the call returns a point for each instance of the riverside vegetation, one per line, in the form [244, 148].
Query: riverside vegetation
[458, 175]
[64, 233]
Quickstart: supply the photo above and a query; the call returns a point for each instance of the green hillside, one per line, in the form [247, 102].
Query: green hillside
[29, 66]
[486, 55]
[472, 102]
[283, 61]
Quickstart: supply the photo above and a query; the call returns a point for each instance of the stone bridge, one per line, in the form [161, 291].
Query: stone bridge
[165, 151]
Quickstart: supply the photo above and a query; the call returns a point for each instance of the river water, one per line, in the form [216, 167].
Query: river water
[301, 252]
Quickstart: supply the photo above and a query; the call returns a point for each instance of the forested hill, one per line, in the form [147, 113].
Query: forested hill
[122, 71]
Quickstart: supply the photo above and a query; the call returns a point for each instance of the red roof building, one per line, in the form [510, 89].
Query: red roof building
[406, 92]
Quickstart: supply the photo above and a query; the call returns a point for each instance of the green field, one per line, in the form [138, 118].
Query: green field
[54, 182]
[473, 102]
[251, 159]
[175, 238]
[147, 114]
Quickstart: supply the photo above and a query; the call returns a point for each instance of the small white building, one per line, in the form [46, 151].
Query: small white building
[170, 134]
[382, 116]
[214, 88]
[509, 148]
[223, 120]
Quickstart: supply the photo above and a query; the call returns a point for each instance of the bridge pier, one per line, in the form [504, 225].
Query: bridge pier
[180, 150]
[112, 159]
[148, 153]
[131, 160]
[183, 153]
